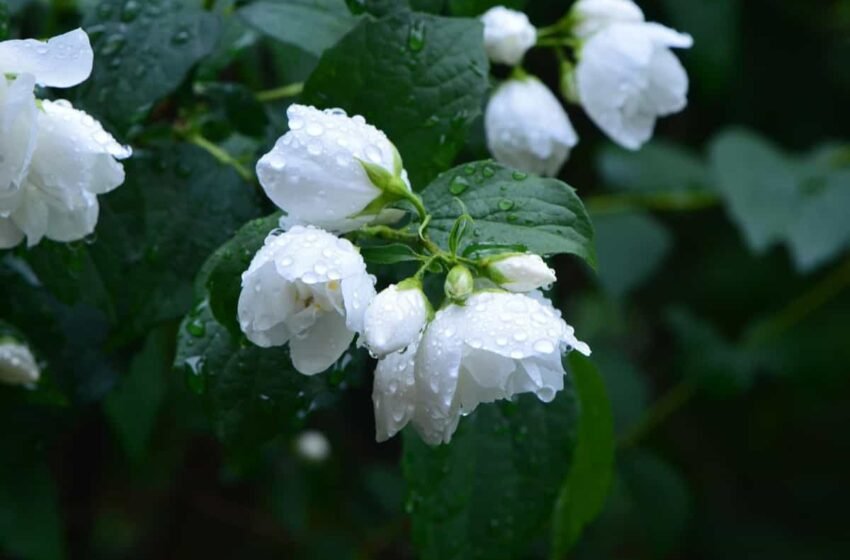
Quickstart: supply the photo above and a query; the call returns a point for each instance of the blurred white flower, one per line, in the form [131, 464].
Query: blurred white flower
[520, 272]
[54, 159]
[314, 172]
[495, 346]
[313, 446]
[309, 288]
[527, 127]
[395, 318]
[590, 16]
[507, 35]
[17, 364]
[627, 76]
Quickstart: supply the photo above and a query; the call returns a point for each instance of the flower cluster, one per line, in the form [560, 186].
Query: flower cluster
[54, 159]
[622, 72]
[493, 337]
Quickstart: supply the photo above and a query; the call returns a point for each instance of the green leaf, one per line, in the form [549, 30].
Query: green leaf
[419, 78]
[4, 21]
[143, 52]
[658, 166]
[759, 185]
[583, 493]
[154, 232]
[221, 275]
[389, 254]
[510, 208]
[133, 406]
[778, 198]
[251, 394]
[490, 492]
[313, 25]
[630, 248]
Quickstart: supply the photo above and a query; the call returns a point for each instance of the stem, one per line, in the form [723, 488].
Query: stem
[789, 316]
[385, 232]
[282, 92]
[221, 155]
[670, 201]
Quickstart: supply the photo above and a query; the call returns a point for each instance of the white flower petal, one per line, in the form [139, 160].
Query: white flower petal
[627, 77]
[63, 61]
[17, 364]
[265, 302]
[394, 319]
[594, 15]
[357, 293]
[322, 345]
[394, 392]
[18, 133]
[521, 273]
[527, 127]
[31, 215]
[313, 172]
[69, 224]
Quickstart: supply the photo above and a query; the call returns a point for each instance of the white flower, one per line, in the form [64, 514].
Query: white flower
[313, 446]
[17, 364]
[520, 272]
[395, 318]
[590, 16]
[63, 61]
[507, 35]
[495, 346]
[314, 172]
[627, 76]
[394, 392]
[309, 288]
[55, 159]
[527, 128]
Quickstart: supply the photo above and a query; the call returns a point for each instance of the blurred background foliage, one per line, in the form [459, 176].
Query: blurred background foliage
[718, 315]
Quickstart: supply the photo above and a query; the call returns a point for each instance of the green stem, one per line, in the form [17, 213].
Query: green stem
[283, 92]
[221, 155]
[789, 316]
[667, 201]
[385, 232]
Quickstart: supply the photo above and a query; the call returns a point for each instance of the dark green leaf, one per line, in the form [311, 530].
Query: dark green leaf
[30, 522]
[472, 8]
[389, 254]
[630, 248]
[583, 493]
[143, 52]
[491, 491]
[251, 394]
[822, 229]
[133, 406]
[313, 25]
[509, 208]
[419, 78]
[221, 275]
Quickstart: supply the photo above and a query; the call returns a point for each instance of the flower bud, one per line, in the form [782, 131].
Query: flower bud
[507, 35]
[459, 283]
[17, 364]
[313, 446]
[527, 128]
[520, 273]
[331, 170]
[395, 318]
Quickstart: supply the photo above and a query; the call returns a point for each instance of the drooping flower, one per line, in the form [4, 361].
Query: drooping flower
[508, 34]
[316, 173]
[55, 159]
[394, 392]
[308, 288]
[17, 364]
[627, 77]
[395, 318]
[590, 16]
[527, 127]
[494, 346]
[520, 272]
